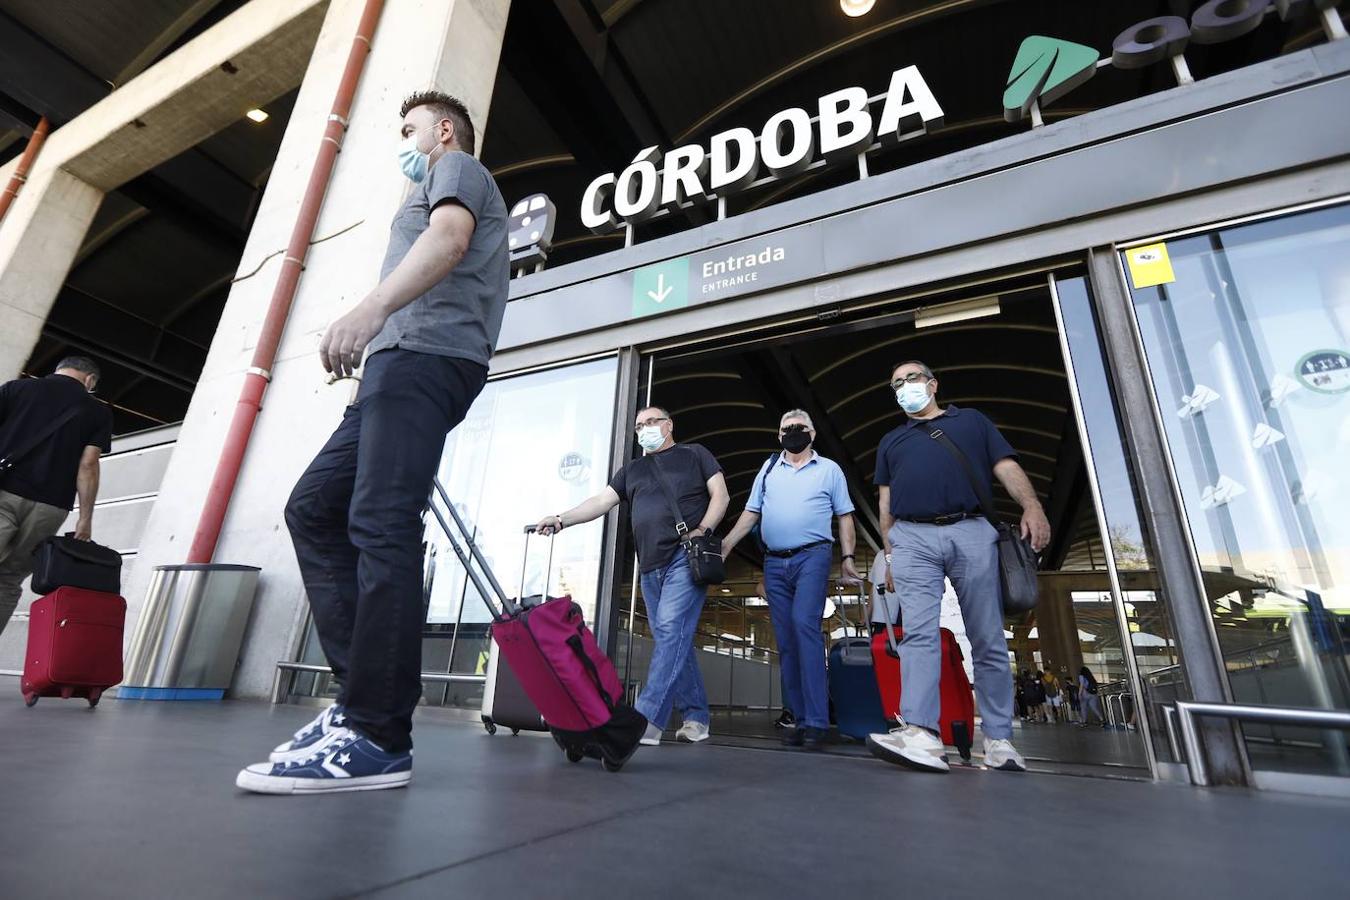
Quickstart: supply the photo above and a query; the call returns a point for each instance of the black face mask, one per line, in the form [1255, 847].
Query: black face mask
[795, 439]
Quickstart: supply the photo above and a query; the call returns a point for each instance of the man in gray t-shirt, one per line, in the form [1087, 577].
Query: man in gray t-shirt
[427, 332]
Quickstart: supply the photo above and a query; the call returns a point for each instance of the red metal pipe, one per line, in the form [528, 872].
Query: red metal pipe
[259, 374]
[25, 166]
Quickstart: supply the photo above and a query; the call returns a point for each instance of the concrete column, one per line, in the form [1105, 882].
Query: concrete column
[38, 242]
[450, 44]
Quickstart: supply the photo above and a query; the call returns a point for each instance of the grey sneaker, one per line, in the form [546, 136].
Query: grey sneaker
[911, 746]
[693, 732]
[1001, 755]
[652, 738]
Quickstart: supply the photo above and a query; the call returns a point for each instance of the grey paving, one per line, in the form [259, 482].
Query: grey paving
[137, 800]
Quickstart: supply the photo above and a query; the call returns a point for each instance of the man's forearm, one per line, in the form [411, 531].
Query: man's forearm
[717, 508]
[86, 486]
[740, 530]
[432, 257]
[847, 537]
[1017, 484]
[887, 520]
[587, 510]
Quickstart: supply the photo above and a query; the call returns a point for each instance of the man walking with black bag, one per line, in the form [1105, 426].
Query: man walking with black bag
[51, 436]
[676, 496]
[934, 527]
[427, 332]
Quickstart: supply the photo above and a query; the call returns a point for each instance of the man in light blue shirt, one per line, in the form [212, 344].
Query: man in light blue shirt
[794, 496]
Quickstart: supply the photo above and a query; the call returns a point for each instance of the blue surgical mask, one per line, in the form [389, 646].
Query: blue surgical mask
[411, 160]
[913, 397]
[650, 437]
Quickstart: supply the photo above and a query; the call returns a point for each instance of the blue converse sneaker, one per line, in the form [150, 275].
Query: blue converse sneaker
[344, 760]
[332, 717]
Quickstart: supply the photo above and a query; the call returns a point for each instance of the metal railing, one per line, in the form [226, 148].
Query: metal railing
[288, 670]
[1186, 713]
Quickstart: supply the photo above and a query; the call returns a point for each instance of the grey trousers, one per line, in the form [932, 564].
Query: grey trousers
[921, 555]
[24, 524]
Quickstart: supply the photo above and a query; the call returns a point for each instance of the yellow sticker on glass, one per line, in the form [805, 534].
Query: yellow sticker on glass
[1149, 266]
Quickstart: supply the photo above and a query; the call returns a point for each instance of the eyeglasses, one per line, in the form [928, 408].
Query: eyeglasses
[911, 378]
[647, 423]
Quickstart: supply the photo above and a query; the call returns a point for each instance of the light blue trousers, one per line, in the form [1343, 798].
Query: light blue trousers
[921, 555]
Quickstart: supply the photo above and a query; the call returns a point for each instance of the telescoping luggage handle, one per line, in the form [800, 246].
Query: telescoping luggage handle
[509, 607]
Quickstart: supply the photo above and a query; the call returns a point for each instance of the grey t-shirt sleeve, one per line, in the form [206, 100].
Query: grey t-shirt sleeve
[451, 178]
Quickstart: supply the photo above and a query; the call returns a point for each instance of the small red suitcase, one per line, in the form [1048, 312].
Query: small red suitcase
[74, 645]
[958, 700]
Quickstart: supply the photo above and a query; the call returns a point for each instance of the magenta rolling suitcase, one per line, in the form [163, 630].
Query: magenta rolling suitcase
[557, 661]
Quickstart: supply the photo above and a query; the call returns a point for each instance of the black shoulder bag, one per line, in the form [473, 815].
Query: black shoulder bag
[9, 460]
[1016, 559]
[704, 553]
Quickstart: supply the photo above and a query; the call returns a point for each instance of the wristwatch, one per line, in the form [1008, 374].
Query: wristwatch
[847, 556]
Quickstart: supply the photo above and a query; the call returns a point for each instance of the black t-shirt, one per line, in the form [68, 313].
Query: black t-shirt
[925, 479]
[47, 473]
[687, 468]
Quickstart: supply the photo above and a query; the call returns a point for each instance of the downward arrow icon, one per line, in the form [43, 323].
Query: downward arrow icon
[661, 292]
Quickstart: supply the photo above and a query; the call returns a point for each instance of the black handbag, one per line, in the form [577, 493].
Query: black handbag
[66, 562]
[1017, 562]
[705, 552]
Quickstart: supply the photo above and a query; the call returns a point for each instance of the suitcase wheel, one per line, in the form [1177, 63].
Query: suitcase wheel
[515, 731]
[94, 696]
[67, 693]
[490, 727]
[611, 765]
[575, 756]
[30, 699]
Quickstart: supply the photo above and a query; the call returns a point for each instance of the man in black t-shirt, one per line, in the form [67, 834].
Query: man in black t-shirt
[43, 469]
[673, 600]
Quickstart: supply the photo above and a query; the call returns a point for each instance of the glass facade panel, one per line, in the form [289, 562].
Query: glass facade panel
[1130, 543]
[1248, 342]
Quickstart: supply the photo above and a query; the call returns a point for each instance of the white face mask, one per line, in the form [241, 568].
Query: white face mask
[650, 437]
[912, 397]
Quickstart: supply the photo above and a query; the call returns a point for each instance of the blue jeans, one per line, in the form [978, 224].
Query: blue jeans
[965, 553]
[355, 519]
[796, 589]
[674, 603]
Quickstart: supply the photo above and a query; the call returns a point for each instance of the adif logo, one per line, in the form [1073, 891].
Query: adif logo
[1148, 256]
[1047, 68]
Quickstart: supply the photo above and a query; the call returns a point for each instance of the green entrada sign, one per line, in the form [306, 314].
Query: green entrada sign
[661, 287]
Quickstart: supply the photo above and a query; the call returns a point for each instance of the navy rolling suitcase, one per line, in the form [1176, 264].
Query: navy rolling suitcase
[853, 685]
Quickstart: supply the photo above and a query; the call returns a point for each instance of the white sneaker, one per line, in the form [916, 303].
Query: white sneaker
[1003, 756]
[325, 723]
[911, 746]
[652, 738]
[693, 732]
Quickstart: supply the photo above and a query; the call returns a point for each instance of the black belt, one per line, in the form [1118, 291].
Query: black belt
[949, 519]
[784, 554]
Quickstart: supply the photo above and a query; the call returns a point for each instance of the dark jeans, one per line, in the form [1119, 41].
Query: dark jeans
[355, 520]
[796, 589]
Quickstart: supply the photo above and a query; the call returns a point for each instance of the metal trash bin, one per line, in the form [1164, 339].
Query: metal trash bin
[189, 632]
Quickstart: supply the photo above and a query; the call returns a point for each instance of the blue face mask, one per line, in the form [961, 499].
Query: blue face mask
[411, 160]
[913, 397]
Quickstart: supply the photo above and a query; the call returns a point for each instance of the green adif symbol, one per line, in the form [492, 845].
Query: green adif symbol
[661, 287]
[1046, 68]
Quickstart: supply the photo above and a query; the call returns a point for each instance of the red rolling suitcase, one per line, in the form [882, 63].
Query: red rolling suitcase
[957, 717]
[74, 645]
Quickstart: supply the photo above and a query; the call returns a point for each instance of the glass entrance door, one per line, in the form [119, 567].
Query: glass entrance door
[1246, 330]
